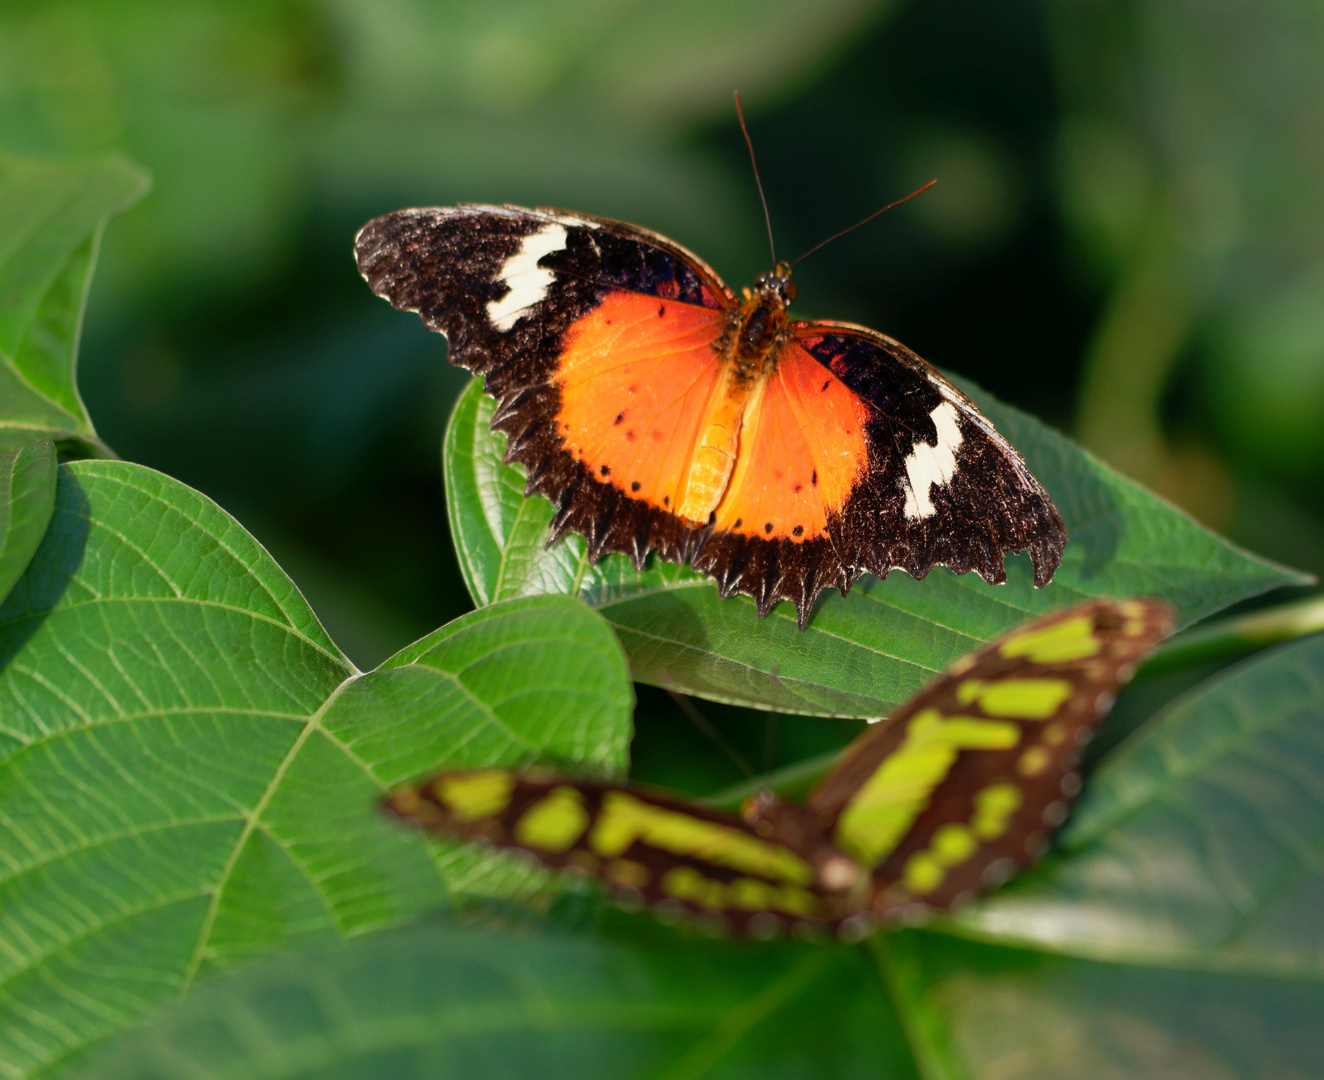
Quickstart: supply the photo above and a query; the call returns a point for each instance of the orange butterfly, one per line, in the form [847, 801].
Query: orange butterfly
[659, 411]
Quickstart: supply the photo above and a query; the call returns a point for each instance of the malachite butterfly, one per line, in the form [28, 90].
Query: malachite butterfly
[958, 789]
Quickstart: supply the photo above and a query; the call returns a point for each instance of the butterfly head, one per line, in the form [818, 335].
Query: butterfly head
[776, 285]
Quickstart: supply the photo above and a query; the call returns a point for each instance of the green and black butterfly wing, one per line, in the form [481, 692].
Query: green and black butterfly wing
[960, 787]
[652, 849]
[964, 784]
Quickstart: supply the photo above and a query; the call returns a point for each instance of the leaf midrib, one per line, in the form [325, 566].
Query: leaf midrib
[251, 822]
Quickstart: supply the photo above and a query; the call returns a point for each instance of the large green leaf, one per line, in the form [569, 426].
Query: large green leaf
[864, 653]
[436, 1001]
[27, 498]
[51, 219]
[188, 765]
[1202, 839]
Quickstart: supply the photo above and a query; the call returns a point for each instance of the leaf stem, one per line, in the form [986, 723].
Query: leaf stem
[1236, 636]
[929, 1035]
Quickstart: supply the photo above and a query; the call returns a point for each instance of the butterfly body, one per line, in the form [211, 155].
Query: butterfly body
[659, 411]
[958, 789]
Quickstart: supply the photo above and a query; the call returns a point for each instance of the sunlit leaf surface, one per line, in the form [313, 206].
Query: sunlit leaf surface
[1173, 935]
[189, 766]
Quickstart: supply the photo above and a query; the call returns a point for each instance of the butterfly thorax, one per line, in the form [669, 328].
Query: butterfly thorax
[749, 356]
[790, 824]
[764, 319]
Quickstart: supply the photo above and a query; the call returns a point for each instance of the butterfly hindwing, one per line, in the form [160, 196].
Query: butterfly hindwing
[941, 486]
[966, 781]
[650, 848]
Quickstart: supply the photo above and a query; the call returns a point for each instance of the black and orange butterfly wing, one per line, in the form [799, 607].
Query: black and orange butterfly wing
[966, 781]
[941, 486]
[596, 338]
[652, 849]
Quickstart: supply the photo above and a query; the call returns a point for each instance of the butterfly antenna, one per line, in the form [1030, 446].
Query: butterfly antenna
[767, 218]
[838, 236]
[705, 726]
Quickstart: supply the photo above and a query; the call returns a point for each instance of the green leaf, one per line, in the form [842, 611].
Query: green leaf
[1200, 840]
[864, 653]
[189, 766]
[438, 1001]
[27, 499]
[978, 1012]
[51, 219]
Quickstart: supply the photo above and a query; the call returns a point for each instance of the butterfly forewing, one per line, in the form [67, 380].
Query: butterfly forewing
[966, 781]
[650, 848]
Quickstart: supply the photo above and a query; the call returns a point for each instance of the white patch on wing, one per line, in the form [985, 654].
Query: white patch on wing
[962, 404]
[527, 281]
[928, 465]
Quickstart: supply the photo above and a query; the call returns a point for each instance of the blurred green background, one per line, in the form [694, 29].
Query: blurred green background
[1127, 236]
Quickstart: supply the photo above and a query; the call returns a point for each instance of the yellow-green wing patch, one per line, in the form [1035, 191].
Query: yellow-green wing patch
[653, 848]
[968, 779]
